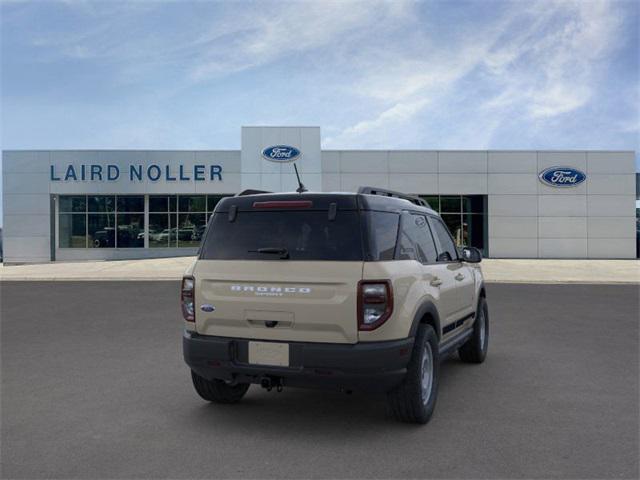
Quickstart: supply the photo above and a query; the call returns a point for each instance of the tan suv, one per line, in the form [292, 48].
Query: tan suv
[351, 291]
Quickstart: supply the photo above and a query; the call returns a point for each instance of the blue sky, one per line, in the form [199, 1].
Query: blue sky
[403, 74]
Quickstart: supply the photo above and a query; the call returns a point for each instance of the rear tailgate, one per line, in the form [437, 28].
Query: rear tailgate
[288, 300]
[281, 267]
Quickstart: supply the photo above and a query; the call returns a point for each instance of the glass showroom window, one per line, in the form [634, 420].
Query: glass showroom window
[101, 221]
[130, 221]
[162, 221]
[192, 219]
[465, 216]
[212, 201]
[179, 220]
[193, 212]
[72, 222]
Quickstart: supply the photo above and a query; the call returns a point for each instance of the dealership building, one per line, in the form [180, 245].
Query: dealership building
[69, 205]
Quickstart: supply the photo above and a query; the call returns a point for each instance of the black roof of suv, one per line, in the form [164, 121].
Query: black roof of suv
[323, 201]
[308, 226]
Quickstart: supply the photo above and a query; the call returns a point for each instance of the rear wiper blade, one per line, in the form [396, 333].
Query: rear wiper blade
[283, 252]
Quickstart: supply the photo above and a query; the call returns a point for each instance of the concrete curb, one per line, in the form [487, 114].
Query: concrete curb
[546, 272]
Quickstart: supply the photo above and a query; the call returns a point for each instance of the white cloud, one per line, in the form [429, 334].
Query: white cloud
[558, 98]
[406, 87]
[400, 112]
[566, 58]
[373, 73]
[260, 37]
[231, 37]
[539, 60]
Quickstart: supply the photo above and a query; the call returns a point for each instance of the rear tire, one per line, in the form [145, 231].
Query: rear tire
[414, 400]
[218, 391]
[475, 349]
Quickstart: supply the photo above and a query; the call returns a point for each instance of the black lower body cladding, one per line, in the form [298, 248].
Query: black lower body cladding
[367, 366]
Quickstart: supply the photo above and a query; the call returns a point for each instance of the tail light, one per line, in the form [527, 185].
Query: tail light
[375, 303]
[187, 299]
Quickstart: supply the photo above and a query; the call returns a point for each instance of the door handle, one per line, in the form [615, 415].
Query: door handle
[436, 282]
[459, 277]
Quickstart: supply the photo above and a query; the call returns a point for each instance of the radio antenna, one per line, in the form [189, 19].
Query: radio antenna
[301, 188]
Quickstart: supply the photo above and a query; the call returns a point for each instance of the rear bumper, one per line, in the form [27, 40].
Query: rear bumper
[371, 366]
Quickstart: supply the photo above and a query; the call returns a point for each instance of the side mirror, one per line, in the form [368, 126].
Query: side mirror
[471, 255]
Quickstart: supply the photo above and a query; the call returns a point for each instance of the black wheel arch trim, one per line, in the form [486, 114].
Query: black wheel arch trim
[427, 308]
[482, 292]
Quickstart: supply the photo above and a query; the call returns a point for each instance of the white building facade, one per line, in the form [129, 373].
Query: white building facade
[117, 204]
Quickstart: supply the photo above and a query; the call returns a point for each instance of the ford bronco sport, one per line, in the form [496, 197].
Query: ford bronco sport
[352, 291]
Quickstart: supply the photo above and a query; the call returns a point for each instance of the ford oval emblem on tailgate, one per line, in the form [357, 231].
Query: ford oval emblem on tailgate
[207, 308]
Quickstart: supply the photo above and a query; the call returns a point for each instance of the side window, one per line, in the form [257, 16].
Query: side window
[446, 248]
[383, 228]
[425, 239]
[406, 241]
[416, 242]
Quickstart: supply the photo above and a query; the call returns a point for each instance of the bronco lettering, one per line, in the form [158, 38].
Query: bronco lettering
[269, 290]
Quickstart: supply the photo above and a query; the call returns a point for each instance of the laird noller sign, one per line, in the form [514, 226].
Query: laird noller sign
[135, 173]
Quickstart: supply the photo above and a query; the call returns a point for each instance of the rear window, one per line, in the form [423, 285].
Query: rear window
[304, 235]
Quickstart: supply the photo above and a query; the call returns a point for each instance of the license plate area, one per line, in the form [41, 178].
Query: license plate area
[269, 353]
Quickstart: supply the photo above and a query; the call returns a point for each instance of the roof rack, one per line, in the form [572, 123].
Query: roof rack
[390, 193]
[251, 192]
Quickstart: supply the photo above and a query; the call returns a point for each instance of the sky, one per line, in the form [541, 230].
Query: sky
[372, 74]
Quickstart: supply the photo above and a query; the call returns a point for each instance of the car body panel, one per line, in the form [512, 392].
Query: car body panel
[312, 301]
[409, 290]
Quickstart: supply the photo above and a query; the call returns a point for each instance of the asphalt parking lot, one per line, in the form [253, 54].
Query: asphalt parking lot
[93, 386]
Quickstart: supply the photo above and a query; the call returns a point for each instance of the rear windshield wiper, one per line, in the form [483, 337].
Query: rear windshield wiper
[283, 252]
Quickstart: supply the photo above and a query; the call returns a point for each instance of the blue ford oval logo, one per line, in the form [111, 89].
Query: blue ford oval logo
[281, 153]
[207, 308]
[562, 177]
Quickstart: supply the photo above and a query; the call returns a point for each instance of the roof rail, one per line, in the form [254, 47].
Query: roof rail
[390, 193]
[250, 192]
